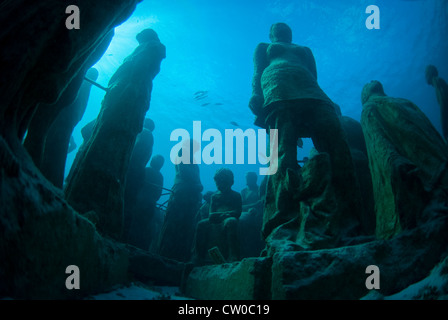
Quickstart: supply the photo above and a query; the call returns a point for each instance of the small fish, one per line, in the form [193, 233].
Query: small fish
[234, 123]
[200, 92]
[205, 104]
[218, 104]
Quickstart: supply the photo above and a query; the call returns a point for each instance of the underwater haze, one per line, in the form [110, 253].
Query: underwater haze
[207, 73]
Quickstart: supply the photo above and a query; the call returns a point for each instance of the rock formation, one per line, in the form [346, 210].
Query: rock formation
[40, 234]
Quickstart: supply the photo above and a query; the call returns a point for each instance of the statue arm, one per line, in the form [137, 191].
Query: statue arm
[216, 216]
[441, 91]
[260, 63]
[311, 62]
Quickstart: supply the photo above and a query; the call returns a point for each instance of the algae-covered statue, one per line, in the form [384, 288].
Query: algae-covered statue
[98, 182]
[407, 159]
[176, 235]
[141, 230]
[286, 96]
[433, 79]
[220, 229]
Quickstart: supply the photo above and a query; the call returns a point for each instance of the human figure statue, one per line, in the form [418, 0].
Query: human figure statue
[176, 236]
[251, 219]
[204, 210]
[407, 159]
[433, 79]
[135, 177]
[251, 193]
[71, 145]
[58, 137]
[40, 122]
[220, 229]
[98, 181]
[286, 97]
[358, 149]
[141, 229]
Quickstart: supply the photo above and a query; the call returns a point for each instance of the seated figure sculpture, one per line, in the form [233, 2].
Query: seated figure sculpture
[441, 87]
[221, 228]
[407, 159]
[286, 97]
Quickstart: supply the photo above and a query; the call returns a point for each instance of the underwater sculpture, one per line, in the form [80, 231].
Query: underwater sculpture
[287, 97]
[39, 124]
[176, 236]
[407, 159]
[251, 218]
[40, 234]
[358, 150]
[98, 182]
[135, 177]
[204, 210]
[220, 229]
[441, 87]
[58, 137]
[140, 233]
[250, 195]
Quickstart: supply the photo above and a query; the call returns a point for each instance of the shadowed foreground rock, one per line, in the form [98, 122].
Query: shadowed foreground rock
[328, 273]
[40, 234]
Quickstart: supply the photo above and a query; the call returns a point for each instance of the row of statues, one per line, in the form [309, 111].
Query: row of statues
[372, 177]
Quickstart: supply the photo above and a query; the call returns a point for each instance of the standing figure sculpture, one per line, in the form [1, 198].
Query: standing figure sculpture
[408, 159]
[286, 97]
[99, 180]
[433, 79]
[177, 232]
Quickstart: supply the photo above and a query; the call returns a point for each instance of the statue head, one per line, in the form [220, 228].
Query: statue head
[157, 162]
[149, 124]
[251, 179]
[147, 35]
[92, 74]
[280, 32]
[223, 179]
[430, 73]
[373, 88]
[190, 147]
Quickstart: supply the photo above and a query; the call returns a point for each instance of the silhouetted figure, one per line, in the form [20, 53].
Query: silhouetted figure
[71, 145]
[141, 229]
[287, 97]
[221, 227]
[251, 218]
[176, 237]
[58, 138]
[358, 149]
[433, 79]
[98, 181]
[251, 194]
[40, 122]
[407, 158]
[135, 177]
[204, 210]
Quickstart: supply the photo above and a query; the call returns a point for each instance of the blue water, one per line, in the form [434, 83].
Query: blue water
[210, 46]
